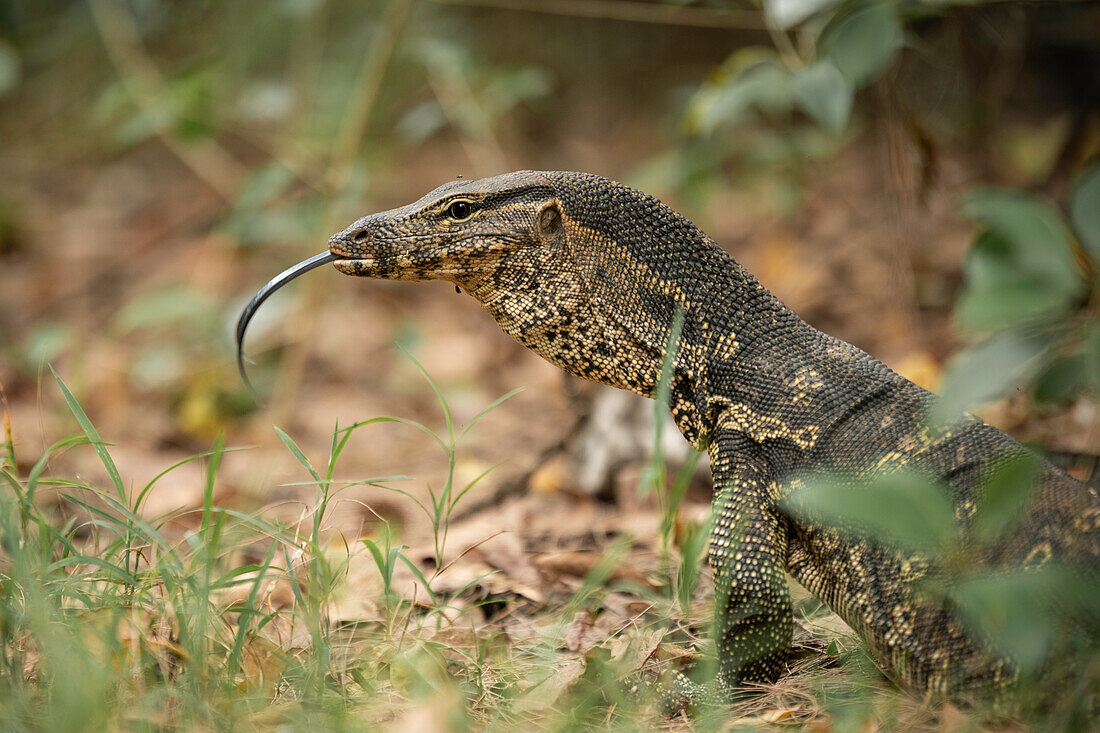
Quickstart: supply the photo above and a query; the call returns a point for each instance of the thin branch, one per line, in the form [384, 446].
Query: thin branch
[482, 149]
[145, 85]
[341, 165]
[791, 58]
[358, 114]
[628, 10]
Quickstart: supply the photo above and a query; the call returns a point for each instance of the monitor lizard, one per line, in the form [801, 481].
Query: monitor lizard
[590, 274]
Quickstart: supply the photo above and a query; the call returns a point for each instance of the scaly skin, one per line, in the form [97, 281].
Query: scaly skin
[588, 273]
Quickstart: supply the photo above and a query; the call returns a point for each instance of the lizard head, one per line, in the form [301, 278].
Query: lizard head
[513, 243]
[462, 231]
[586, 272]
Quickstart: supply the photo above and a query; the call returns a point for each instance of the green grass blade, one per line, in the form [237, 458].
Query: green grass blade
[348, 484]
[492, 406]
[9, 461]
[15, 485]
[472, 484]
[427, 512]
[208, 493]
[427, 431]
[121, 574]
[246, 614]
[420, 577]
[190, 459]
[124, 520]
[438, 393]
[93, 437]
[297, 453]
[40, 465]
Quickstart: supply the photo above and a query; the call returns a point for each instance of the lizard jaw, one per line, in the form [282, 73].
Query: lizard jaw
[363, 267]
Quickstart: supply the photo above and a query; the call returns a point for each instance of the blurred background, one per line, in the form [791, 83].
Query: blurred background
[161, 159]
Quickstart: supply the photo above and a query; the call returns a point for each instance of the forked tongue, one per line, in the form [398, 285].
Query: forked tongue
[264, 293]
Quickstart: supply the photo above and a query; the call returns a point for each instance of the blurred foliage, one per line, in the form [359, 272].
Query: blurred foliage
[778, 106]
[1030, 294]
[1031, 277]
[1042, 617]
[295, 114]
[289, 111]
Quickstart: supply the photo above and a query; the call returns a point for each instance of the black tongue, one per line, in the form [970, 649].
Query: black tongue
[264, 293]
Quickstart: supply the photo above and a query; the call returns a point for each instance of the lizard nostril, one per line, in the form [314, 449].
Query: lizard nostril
[361, 236]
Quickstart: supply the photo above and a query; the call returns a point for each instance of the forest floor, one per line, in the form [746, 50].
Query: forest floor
[122, 276]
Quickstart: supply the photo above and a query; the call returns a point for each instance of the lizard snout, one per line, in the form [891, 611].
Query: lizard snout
[355, 241]
[361, 251]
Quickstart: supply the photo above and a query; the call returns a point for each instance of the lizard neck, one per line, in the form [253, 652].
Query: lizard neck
[759, 370]
[745, 362]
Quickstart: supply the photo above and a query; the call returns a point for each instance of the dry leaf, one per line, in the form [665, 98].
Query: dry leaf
[549, 478]
[763, 719]
[579, 637]
[635, 648]
[575, 564]
[545, 694]
[262, 664]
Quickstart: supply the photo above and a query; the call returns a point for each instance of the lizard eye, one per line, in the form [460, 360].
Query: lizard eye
[460, 210]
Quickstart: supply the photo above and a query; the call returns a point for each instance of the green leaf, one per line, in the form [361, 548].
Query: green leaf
[1002, 292]
[9, 68]
[1084, 209]
[863, 41]
[1092, 356]
[492, 406]
[1033, 234]
[419, 575]
[896, 508]
[984, 372]
[1006, 494]
[1061, 381]
[693, 545]
[297, 453]
[1007, 305]
[825, 93]
[1019, 613]
[109, 569]
[750, 79]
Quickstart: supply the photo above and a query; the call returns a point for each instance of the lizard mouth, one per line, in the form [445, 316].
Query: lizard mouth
[266, 291]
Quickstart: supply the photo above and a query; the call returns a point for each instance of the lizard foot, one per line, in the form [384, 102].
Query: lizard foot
[679, 693]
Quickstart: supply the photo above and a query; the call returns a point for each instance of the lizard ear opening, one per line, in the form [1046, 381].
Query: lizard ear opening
[549, 221]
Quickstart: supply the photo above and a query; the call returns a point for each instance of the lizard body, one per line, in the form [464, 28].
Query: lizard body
[590, 273]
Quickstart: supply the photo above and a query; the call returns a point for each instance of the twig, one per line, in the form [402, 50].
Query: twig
[519, 484]
[478, 142]
[342, 163]
[467, 551]
[9, 443]
[791, 58]
[627, 10]
[369, 83]
[145, 85]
